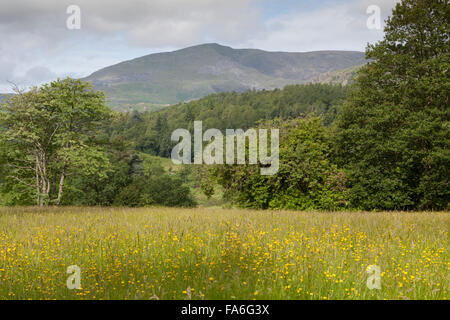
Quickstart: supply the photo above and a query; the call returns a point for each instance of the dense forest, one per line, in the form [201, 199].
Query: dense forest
[150, 132]
[382, 143]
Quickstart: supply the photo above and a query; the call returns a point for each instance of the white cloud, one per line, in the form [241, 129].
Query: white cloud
[339, 27]
[40, 73]
[36, 45]
[147, 23]
[34, 33]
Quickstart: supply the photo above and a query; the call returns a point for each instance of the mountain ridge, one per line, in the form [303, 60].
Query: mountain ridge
[171, 77]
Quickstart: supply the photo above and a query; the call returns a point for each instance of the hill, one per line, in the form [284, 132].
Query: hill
[160, 79]
[342, 77]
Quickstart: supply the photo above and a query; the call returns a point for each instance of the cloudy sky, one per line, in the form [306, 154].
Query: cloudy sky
[37, 46]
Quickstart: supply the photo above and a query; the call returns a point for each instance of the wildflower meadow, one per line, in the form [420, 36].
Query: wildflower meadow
[161, 253]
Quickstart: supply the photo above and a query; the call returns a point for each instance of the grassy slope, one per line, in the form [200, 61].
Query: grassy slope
[221, 254]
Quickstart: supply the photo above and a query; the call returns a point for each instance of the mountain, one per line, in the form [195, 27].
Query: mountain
[194, 72]
[342, 77]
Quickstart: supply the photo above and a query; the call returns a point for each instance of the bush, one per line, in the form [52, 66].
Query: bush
[164, 190]
[306, 178]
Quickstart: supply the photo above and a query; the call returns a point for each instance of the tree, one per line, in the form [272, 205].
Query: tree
[306, 178]
[393, 133]
[49, 133]
[154, 187]
[150, 131]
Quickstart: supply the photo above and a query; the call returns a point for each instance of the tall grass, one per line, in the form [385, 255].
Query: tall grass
[159, 253]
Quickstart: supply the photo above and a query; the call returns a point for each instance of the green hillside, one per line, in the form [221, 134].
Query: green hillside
[150, 82]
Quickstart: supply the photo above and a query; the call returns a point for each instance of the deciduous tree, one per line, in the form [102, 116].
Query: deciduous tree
[47, 134]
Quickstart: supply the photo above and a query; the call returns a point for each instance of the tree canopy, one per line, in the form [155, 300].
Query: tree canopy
[48, 134]
[393, 133]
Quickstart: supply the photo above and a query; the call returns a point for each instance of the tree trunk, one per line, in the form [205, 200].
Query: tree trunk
[61, 185]
[38, 191]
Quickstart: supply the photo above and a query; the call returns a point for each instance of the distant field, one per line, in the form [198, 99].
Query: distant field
[164, 253]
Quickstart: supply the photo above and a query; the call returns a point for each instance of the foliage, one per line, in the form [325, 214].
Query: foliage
[60, 137]
[393, 136]
[134, 181]
[306, 178]
[49, 134]
[150, 132]
[163, 190]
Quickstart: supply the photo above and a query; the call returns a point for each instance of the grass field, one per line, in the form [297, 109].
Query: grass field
[164, 253]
